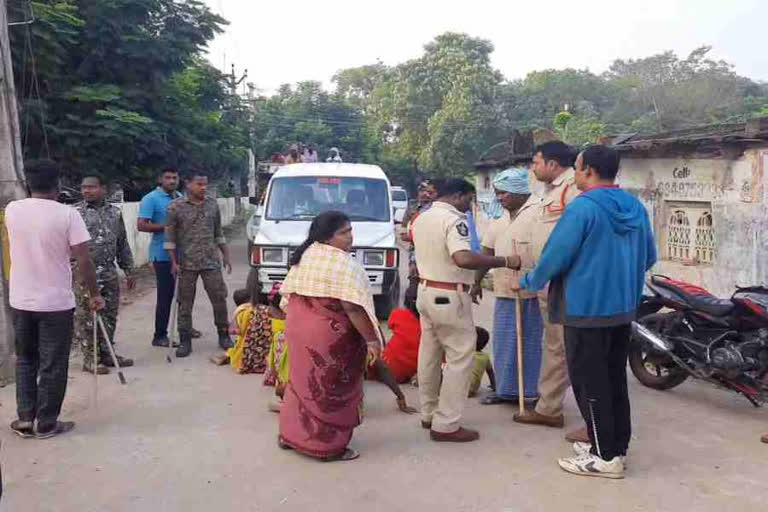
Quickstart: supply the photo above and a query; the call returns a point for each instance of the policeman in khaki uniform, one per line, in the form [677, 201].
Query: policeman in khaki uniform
[446, 264]
[552, 165]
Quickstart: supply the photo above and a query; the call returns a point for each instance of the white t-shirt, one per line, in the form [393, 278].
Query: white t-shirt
[41, 232]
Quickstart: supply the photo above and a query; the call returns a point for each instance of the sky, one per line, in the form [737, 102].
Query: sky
[287, 42]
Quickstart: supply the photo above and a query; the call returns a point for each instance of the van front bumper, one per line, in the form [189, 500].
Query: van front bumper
[381, 281]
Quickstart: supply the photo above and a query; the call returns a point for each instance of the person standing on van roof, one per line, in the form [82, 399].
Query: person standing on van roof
[293, 156]
[309, 156]
[334, 155]
[193, 228]
[446, 263]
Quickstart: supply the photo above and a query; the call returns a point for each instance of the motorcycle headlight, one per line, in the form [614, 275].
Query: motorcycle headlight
[271, 255]
[373, 259]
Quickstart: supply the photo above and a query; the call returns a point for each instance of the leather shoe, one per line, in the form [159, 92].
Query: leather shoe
[160, 342]
[427, 425]
[534, 418]
[579, 435]
[100, 368]
[185, 347]
[463, 435]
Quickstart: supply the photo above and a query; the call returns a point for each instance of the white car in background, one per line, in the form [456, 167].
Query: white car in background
[399, 203]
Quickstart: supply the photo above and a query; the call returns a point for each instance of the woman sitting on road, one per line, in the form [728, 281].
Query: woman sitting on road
[331, 328]
[252, 324]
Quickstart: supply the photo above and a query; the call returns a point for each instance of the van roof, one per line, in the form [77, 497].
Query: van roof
[331, 169]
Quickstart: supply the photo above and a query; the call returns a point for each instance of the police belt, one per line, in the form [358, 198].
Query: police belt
[446, 286]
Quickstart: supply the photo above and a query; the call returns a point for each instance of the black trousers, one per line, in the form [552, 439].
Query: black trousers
[43, 341]
[166, 284]
[597, 366]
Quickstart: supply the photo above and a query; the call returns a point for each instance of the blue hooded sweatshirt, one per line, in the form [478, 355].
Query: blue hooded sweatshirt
[596, 259]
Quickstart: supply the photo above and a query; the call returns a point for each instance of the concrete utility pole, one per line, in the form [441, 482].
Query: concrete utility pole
[233, 82]
[11, 184]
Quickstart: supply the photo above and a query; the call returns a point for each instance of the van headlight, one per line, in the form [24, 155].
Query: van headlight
[271, 255]
[373, 258]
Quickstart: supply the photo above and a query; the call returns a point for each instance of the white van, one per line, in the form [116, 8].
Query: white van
[298, 192]
[399, 203]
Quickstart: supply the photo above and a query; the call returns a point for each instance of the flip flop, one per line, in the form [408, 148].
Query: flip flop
[349, 454]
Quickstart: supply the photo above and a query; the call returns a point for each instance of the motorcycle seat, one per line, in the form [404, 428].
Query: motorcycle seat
[695, 296]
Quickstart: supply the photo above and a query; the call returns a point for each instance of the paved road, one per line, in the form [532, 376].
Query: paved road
[193, 437]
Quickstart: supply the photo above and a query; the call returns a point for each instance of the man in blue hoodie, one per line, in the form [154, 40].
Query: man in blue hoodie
[596, 259]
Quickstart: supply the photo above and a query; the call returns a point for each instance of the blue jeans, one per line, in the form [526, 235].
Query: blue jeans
[166, 284]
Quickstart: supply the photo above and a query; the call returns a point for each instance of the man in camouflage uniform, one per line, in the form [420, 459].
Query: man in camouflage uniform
[108, 243]
[193, 239]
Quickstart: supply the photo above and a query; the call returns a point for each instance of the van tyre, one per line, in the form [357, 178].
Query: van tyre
[386, 303]
[253, 278]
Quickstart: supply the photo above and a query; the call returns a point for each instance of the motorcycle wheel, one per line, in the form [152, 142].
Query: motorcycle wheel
[651, 369]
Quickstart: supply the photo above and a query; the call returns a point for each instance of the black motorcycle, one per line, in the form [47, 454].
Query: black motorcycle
[683, 330]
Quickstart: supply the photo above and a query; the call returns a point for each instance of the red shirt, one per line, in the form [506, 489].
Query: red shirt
[402, 352]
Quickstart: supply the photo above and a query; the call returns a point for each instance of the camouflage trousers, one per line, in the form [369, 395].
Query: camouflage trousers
[215, 287]
[110, 290]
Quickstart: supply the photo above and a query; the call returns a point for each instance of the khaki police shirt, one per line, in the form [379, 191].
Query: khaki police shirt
[557, 196]
[510, 236]
[438, 233]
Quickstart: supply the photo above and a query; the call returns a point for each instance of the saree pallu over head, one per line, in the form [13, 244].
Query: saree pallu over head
[328, 272]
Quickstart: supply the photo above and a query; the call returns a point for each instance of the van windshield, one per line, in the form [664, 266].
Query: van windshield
[302, 198]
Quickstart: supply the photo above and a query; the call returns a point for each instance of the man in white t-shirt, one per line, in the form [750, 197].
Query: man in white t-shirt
[44, 236]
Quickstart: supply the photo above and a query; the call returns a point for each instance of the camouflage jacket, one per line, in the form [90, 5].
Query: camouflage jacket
[109, 241]
[195, 232]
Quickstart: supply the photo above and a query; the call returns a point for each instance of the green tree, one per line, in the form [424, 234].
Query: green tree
[578, 131]
[679, 92]
[119, 87]
[444, 110]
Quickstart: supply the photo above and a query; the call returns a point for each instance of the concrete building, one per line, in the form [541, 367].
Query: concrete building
[704, 191]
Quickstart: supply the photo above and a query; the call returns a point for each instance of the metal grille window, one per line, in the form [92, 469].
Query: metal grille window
[690, 232]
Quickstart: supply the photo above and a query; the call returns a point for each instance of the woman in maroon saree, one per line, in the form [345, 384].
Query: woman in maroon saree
[330, 332]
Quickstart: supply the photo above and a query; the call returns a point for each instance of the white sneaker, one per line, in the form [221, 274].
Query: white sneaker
[592, 465]
[582, 448]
